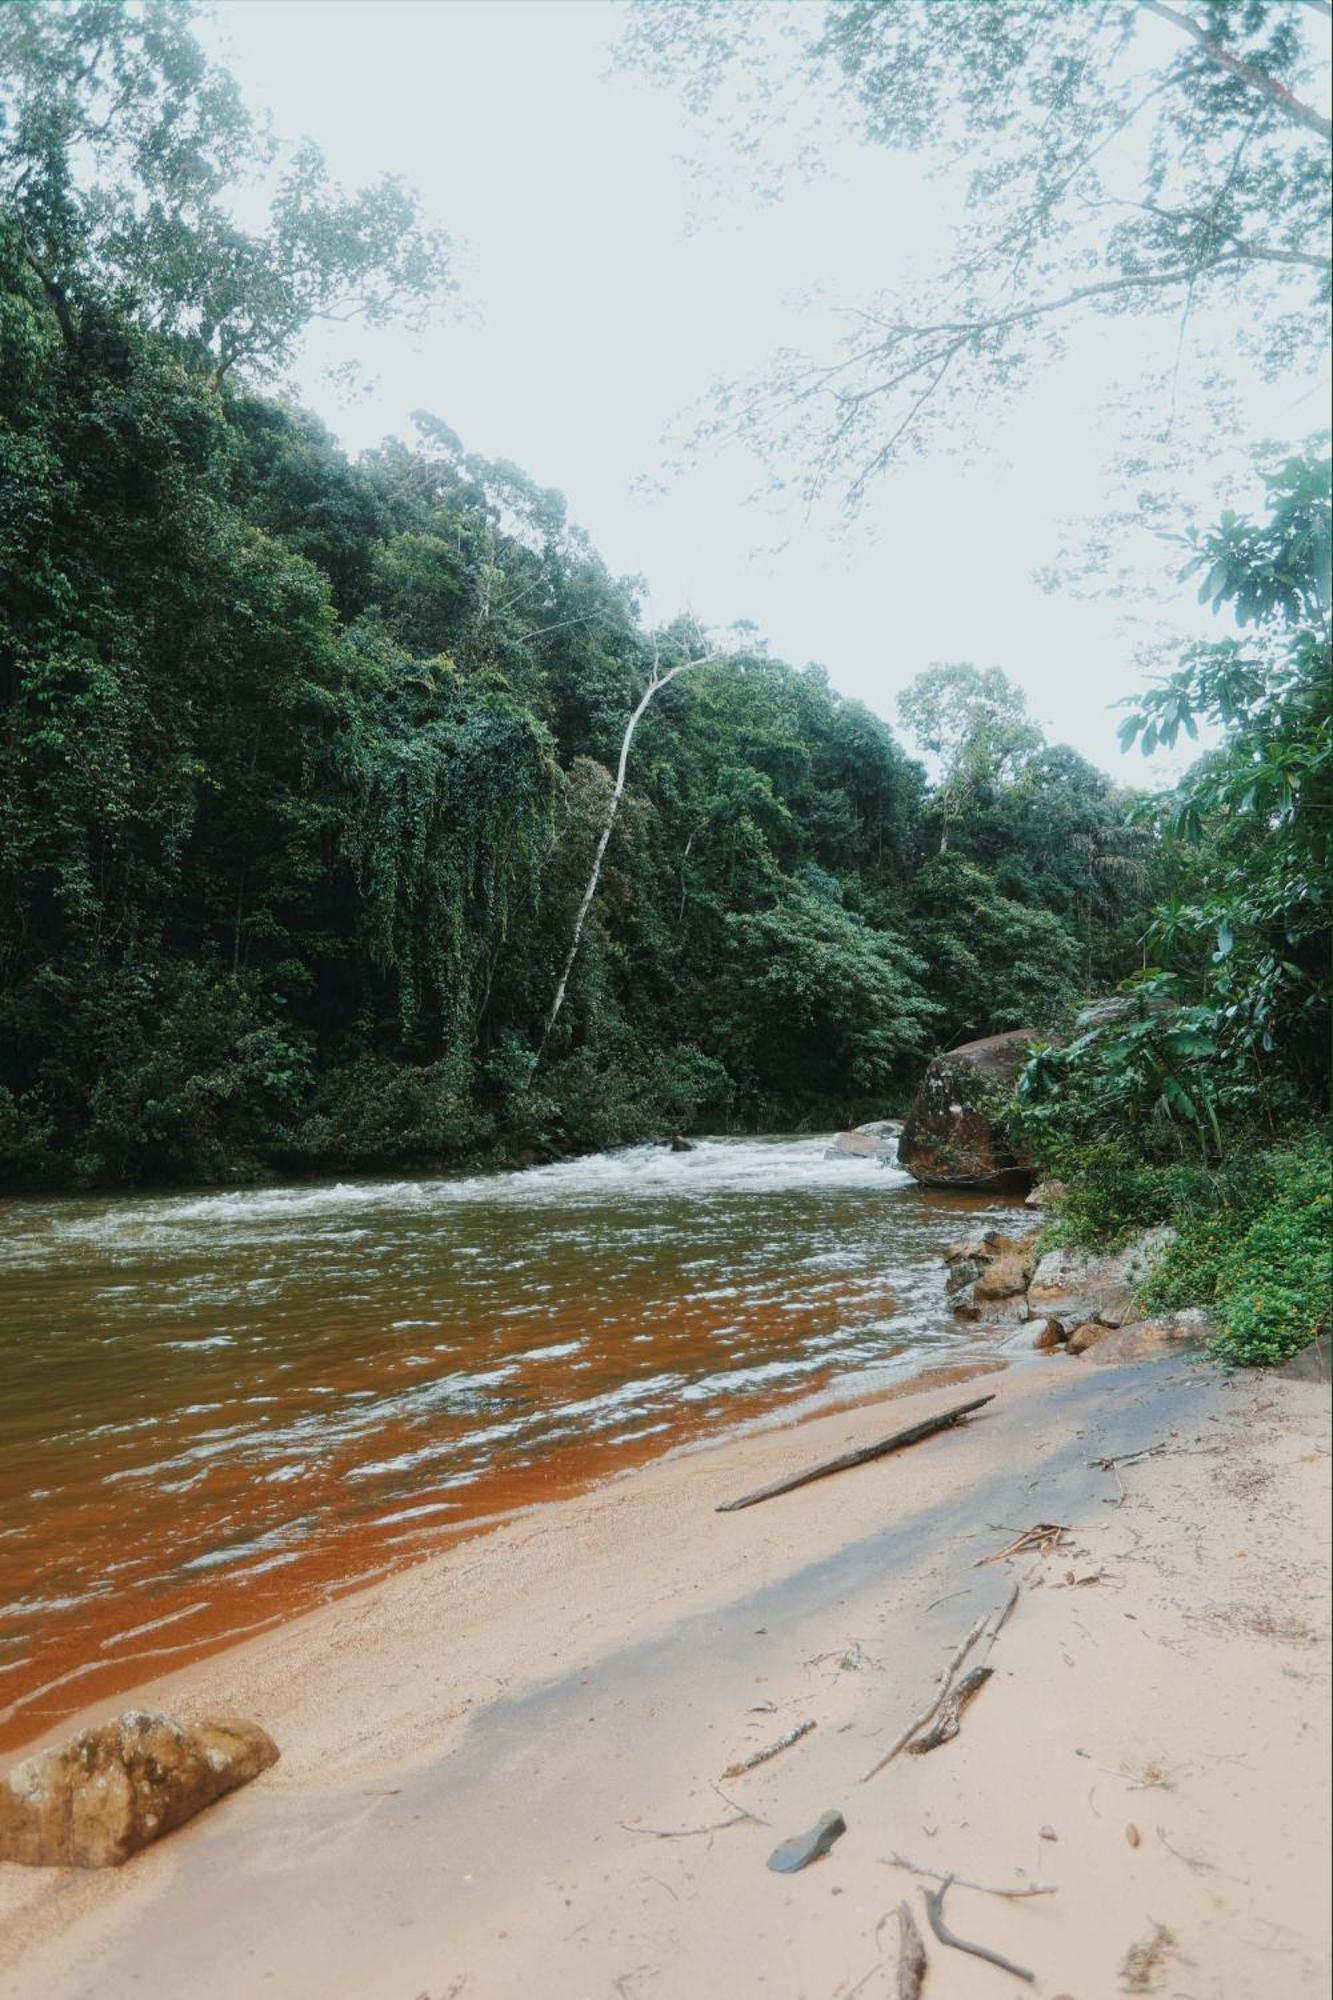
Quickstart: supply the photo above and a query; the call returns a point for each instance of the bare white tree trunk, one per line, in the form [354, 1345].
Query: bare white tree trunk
[658, 681]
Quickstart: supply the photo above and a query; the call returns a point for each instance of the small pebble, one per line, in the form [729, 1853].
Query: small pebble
[1049, 1833]
[1132, 1835]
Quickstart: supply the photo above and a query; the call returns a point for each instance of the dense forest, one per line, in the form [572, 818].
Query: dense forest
[306, 759]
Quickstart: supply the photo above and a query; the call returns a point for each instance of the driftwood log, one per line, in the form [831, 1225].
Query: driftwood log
[911, 1955]
[935, 1911]
[912, 1435]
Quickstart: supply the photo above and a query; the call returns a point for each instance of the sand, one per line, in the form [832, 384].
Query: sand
[502, 1770]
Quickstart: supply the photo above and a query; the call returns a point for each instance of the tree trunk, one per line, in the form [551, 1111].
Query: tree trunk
[659, 680]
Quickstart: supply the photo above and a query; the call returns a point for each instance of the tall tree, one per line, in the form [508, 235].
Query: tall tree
[121, 146]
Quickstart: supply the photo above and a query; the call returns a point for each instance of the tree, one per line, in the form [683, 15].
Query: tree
[120, 147]
[1253, 933]
[658, 678]
[976, 724]
[1120, 157]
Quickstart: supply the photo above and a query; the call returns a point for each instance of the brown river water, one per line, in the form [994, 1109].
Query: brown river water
[219, 1409]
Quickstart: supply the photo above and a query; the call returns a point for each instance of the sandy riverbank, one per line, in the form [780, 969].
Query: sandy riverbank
[481, 1756]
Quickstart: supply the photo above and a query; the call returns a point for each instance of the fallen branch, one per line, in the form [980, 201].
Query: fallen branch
[929, 1714]
[949, 1720]
[960, 1882]
[935, 1912]
[912, 1959]
[863, 1456]
[737, 1807]
[1129, 1457]
[770, 1750]
[1044, 1536]
[996, 1623]
[687, 1832]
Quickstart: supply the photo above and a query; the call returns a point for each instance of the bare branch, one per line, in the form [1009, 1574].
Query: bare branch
[1291, 106]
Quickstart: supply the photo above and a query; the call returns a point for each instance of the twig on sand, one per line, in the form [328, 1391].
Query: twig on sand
[949, 1720]
[960, 1882]
[1126, 1458]
[992, 1626]
[935, 1912]
[784, 1742]
[1194, 1861]
[686, 1832]
[1043, 1536]
[928, 1714]
[1129, 1457]
[863, 1456]
[736, 1806]
[912, 1959]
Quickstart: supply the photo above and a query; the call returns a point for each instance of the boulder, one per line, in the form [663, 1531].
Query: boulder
[875, 1141]
[680, 1144]
[950, 1138]
[990, 1270]
[111, 1790]
[1309, 1364]
[1049, 1335]
[1075, 1286]
[1044, 1193]
[1139, 1339]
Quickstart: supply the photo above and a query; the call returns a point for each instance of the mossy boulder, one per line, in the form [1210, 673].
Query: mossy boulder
[952, 1137]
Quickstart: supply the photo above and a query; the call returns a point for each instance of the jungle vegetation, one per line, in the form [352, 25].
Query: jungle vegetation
[305, 761]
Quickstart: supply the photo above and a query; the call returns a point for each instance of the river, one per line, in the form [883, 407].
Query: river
[218, 1409]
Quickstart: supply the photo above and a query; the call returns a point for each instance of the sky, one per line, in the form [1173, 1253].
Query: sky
[601, 297]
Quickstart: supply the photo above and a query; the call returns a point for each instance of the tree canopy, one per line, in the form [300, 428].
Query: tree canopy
[1118, 157]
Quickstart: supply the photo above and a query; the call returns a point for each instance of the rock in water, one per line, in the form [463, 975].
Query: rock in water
[951, 1138]
[96, 1800]
[876, 1141]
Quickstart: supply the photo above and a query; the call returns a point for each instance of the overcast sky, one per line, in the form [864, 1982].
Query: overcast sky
[599, 303]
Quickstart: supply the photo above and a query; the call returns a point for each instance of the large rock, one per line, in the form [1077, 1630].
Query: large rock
[96, 1800]
[1046, 1192]
[988, 1274]
[951, 1138]
[875, 1141]
[1139, 1339]
[1076, 1286]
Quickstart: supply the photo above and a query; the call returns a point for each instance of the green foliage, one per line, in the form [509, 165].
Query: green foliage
[303, 762]
[121, 149]
[1252, 1243]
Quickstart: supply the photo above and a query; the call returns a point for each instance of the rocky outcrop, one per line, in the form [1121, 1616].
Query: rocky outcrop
[1074, 1287]
[988, 1274]
[1075, 1299]
[1140, 1339]
[875, 1141]
[98, 1799]
[951, 1138]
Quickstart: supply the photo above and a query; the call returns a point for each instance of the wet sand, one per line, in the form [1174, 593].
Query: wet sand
[499, 1768]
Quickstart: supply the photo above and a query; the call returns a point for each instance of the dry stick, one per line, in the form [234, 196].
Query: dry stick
[686, 1832]
[863, 1456]
[770, 1750]
[1045, 1534]
[912, 1959]
[949, 1720]
[982, 1889]
[737, 1807]
[935, 1911]
[929, 1714]
[942, 1685]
